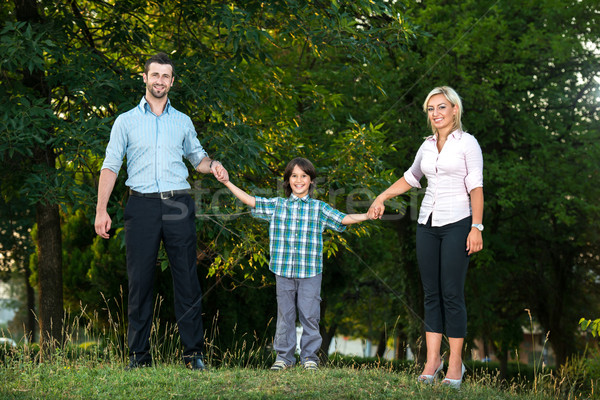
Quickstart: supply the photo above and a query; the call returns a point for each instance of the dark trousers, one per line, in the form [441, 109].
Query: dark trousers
[147, 222]
[443, 263]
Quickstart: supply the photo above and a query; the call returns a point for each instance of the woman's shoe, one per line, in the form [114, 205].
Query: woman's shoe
[455, 383]
[429, 379]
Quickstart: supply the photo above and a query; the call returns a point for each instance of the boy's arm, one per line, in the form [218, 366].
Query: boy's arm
[240, 194]
[350, 219]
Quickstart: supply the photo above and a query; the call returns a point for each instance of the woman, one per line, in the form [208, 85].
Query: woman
[449, 226]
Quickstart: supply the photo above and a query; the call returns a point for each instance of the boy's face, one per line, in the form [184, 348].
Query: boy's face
[299, 182]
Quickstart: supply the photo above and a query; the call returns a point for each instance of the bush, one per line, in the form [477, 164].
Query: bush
[579, 375]
[7, 351]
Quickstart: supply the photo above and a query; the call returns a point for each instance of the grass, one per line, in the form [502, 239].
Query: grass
[91, 365]
[80, 380]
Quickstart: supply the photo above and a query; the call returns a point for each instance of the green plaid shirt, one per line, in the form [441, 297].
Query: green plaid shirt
[296, 233]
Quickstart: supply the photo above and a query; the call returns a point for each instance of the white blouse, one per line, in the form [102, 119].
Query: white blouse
[451, 175]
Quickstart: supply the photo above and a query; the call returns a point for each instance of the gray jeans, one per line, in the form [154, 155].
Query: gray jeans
[304, 293]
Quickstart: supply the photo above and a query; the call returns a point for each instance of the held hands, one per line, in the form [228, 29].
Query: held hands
[219, 172]
[376, 210]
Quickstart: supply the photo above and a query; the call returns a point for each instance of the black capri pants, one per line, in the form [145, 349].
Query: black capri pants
[443, 263]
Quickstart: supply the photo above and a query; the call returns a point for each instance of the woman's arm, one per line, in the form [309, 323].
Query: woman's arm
[475, 239]
[397, 188]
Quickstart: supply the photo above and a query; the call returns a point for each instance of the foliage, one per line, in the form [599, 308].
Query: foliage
[589, 325]
[340, 83]
[257, 79]
[579, 375]
[530, 98]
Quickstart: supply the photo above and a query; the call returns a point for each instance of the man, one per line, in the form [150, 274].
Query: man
[155, 137]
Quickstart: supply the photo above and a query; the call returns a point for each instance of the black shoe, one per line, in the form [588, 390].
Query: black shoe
[197, 364]
[134, 364]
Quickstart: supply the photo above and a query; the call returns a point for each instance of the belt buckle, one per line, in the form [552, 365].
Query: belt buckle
[166, 195]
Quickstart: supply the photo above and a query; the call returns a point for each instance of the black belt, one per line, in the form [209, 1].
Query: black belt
[159, 195]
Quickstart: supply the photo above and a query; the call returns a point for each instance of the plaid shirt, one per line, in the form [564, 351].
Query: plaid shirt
[296, 233]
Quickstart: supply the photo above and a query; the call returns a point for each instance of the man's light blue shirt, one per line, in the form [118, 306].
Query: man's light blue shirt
[155, 147]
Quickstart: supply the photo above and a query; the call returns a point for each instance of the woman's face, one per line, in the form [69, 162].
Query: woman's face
[441, 113]
[299, 182]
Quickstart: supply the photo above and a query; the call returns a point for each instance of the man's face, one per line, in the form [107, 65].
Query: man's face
[158, 80]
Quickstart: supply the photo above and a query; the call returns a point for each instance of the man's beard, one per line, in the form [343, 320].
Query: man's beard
[157, 94]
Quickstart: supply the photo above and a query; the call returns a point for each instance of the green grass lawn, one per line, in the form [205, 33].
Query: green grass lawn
[110, 381]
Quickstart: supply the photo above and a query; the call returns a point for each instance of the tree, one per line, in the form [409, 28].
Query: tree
[529, 80]
[71, 67]
[54, 116]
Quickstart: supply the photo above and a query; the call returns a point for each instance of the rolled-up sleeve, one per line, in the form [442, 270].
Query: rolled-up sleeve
[117, 146]
[192, 149]
[414, 174]
[474, 163]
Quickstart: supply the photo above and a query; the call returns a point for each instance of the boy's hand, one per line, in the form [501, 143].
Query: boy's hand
[376, 210]
[220, 172]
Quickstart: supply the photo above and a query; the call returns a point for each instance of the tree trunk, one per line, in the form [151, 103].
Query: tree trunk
[382, 344]
[47, 215]
[327, 335]
[30, 325]
[503, 359]
[49, 274]
[400, 347]
[562, 340]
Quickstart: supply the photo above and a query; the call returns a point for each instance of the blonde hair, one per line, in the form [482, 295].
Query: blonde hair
[454, 99]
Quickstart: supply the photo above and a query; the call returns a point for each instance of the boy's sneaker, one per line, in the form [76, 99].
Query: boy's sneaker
[311, 366]
[279, 366]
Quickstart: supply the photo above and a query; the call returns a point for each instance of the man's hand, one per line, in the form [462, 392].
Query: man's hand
[219, 171]
[102, 224]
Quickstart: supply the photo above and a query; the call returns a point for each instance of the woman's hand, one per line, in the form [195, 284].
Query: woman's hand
[376, 209]
[474, 241]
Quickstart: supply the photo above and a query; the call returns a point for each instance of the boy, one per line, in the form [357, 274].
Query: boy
[296, 245]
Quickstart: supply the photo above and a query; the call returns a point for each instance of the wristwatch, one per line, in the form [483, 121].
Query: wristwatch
[478, 226]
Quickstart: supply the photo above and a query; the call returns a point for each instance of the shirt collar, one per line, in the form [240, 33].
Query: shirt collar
[294, 198]
[457, 134]
[145, 107]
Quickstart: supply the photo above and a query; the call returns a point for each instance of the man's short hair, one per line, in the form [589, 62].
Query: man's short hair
[160, 58]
